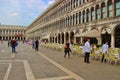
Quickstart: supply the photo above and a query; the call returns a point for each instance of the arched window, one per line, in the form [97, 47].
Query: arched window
[92, 14]
[110, 8]
[117, 7]
[76, 18]
[76, 3]
[79, 1]
[83, 1]
[87, 15]
[79, 17]
[103, 10]
[97, 12]
[84, 17]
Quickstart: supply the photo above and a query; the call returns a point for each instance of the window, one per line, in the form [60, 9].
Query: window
[84, 17]
[88, 15]
[103, 10]
[76, 3]
[92, 14]
[76, 18]
[79, 1]
[110, 8]
[79, 17]
[117, 7]
[97, 12]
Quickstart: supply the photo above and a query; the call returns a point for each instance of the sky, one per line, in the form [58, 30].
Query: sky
[22, 12]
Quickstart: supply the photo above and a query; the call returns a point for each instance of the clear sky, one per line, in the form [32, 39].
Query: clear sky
[21, 12]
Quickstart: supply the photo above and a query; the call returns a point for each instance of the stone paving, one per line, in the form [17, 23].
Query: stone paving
[48, 64]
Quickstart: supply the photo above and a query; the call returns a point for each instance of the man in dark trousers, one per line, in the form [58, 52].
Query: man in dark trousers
[13, 45]
[67, 49]
[87, 48]
[36, 45]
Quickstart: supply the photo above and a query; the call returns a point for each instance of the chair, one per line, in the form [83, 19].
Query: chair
[115, 58]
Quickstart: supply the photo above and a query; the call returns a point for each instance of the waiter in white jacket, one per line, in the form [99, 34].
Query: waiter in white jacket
[105, 50]
[87, 48]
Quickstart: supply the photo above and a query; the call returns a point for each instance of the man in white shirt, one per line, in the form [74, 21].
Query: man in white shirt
[87, 48]
[105, 50]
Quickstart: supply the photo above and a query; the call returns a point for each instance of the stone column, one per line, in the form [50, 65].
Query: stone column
[74, 40]
[113, 2]
[99, 41]
[60, 38]
[106, 4]
[81, 40]
[69, 37]
[64, 38]
[112, 41]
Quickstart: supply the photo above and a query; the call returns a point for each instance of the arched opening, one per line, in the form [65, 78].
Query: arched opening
[59, 38]
[78, 38]
[71, 37]
[79, 17]
[67, 36]
[55, 38]
[0, 37]
[51, 41]
[106, 36]
[117, 36]
[62, 38]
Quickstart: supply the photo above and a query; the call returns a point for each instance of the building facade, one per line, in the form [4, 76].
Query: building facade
[7, 32]
[74, 20]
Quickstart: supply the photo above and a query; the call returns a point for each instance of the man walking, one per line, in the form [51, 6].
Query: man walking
[87, 48]
[13, 45]
[105, 50]
[36, 45]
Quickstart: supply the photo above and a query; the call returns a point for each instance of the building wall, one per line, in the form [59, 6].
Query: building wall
[7, 32]
[67, 18]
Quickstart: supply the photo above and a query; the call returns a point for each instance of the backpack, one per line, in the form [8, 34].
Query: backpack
[65, 46]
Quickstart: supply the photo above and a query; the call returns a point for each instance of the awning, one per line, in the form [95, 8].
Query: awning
[18, 35]
[92, 33]
[46, 37]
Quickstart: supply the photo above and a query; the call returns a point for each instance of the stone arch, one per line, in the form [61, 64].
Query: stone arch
[72, 37]
[117, 36]
[59, 38]
[67, 36]
[62, 34]
[106, 35]
[84, 30]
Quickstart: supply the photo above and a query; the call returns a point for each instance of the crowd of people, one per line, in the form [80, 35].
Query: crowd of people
[87, 50]
[67, 48]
